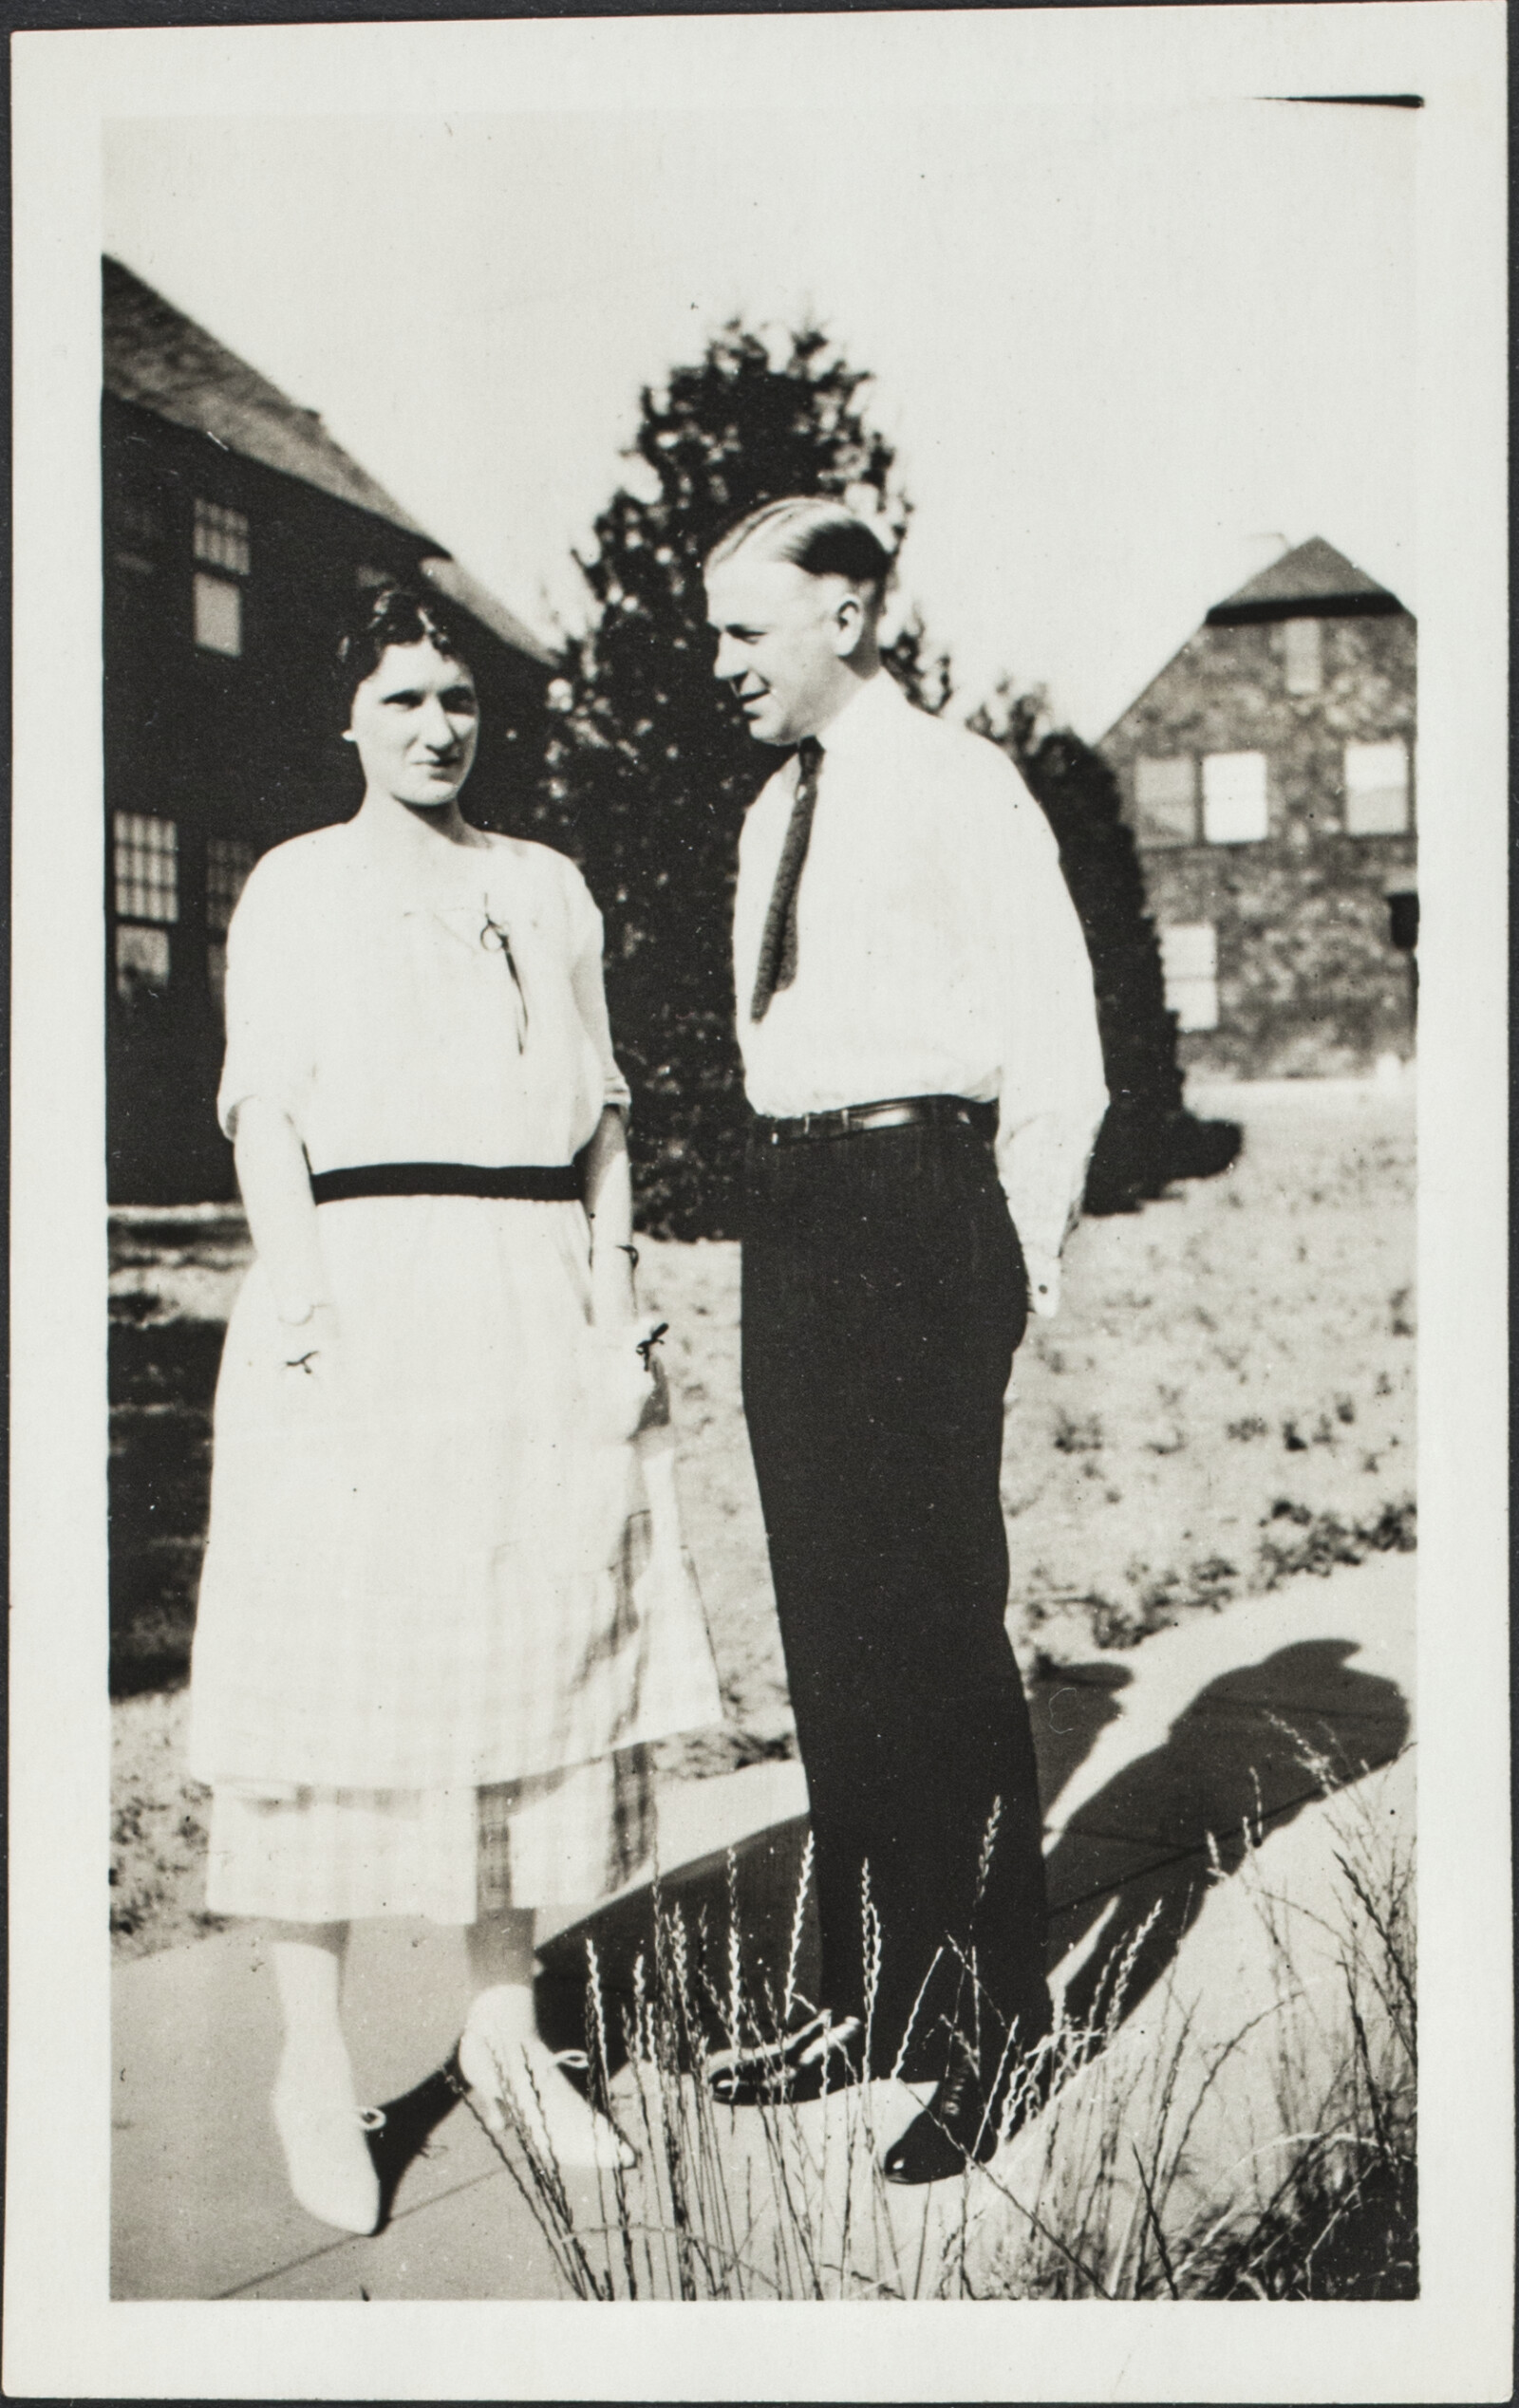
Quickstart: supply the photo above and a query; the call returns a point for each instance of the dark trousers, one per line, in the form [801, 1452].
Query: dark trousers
[884, 1296]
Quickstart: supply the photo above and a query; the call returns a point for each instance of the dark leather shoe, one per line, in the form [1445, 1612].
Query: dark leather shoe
[820, 2056]
[962, 2122]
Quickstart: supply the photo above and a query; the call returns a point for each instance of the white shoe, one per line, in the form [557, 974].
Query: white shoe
[522, 2083]
[328, 2157]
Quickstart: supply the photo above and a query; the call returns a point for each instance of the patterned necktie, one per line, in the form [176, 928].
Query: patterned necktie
[778, 945]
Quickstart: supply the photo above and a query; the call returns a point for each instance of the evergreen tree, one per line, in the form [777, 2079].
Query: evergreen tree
[1149, 1137]
[651, 766]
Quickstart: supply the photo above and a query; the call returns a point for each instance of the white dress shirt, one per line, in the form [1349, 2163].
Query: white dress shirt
[938, 953]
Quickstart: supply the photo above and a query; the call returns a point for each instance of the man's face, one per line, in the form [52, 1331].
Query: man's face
[783, 639]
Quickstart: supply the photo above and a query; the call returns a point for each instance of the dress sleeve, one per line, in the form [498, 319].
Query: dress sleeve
[270, 1029]
[589, 990]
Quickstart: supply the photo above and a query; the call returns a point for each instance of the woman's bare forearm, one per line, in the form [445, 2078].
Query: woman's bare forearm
[277, 1191]
[609, 1210]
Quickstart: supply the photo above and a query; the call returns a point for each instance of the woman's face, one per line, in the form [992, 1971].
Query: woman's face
[416, 722]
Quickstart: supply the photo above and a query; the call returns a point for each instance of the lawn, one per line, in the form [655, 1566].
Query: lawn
[1227, 1398]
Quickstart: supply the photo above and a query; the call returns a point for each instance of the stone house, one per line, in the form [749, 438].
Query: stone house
[237, 537]
[1268, 776]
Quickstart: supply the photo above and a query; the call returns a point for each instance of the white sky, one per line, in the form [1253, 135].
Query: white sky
[1122, 353]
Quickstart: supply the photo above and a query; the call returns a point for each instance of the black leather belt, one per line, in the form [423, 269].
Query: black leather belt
[522, 1182]
[899, 1111]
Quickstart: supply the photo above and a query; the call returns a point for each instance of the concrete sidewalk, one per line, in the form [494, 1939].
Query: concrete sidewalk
[1147, 1759]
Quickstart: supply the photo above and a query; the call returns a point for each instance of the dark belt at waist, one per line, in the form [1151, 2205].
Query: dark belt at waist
[899, 1111]
[519, 1183]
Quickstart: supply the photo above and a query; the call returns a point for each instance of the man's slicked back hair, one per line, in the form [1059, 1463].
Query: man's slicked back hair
[817, 535]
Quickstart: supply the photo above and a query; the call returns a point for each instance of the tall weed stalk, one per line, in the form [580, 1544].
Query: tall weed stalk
[1273, 2161]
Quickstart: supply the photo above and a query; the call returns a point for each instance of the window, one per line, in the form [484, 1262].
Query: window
[1234, 798]
[142, 961]
[1165, 797]
[221, 537]
[1303, 652]
[140, 519]
[147, 868]
[219, 615]
[1189, 958]
[228, 863]
[1376, 789]
[222, 540]
[137, 526]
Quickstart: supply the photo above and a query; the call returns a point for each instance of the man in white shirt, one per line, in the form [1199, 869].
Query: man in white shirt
[920, 1047]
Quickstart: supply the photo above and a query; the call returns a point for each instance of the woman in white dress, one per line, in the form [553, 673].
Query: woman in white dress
[429, 1651]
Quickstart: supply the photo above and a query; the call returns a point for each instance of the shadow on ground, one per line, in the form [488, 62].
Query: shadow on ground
[1248, 1752]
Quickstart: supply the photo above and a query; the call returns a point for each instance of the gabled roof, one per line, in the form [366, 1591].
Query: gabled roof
[455, 580]
[1313, 580]
[163, 361]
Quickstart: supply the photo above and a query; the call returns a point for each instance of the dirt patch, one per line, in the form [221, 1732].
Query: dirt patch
[159, 1825]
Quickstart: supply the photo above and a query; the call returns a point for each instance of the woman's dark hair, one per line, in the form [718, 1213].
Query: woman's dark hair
[392, 614]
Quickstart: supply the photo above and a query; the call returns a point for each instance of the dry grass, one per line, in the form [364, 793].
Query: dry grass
[1225, 1399]
[1247, 2140]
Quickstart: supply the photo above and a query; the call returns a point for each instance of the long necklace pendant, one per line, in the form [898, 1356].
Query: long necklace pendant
[493, 936]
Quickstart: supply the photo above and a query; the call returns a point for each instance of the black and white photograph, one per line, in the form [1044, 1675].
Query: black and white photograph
[758, 1253]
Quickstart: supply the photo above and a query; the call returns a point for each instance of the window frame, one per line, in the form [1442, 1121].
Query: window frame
[1151, 830]
[151, 900]
[214, 592]
[221, 537]
[1217, 804]
[225, 857]
[1180, 981]
[1403, 786]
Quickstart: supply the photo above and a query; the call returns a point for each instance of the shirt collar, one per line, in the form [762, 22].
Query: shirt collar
[866, 719]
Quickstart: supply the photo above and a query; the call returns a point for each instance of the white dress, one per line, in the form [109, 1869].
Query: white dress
[434, 1630]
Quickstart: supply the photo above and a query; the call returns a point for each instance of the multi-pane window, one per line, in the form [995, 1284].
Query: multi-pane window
[1189, 960]
[1302, 655]
[221, 541]
[138, 516]
[221, 537]
[1376, 789]
[147, 868]
[1165, 798]
[1234, 804]
[137, 530]
[228, 863]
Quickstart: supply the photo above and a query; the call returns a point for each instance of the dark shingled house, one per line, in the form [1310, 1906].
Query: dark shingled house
[237, 537]
[1267, 773]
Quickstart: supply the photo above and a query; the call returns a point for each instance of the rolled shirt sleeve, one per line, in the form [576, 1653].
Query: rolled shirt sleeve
[1053, 1093]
